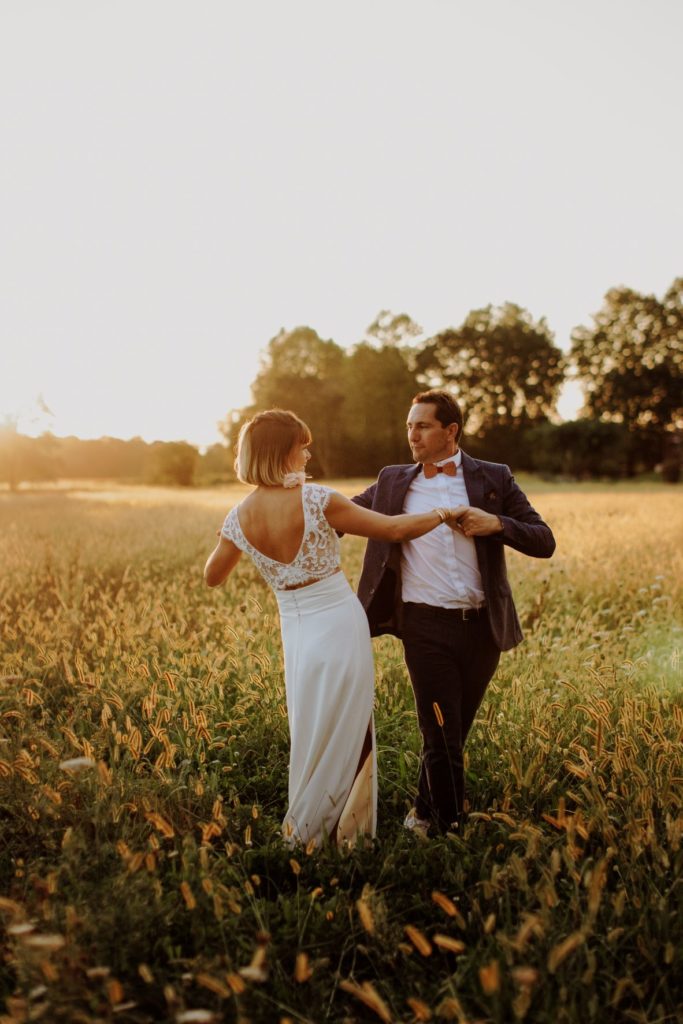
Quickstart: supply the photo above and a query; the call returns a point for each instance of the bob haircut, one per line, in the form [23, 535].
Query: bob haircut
[446, 409]
[265, 444]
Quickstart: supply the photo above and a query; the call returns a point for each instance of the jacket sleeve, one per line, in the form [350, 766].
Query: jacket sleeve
[523, 528]
[365, 499]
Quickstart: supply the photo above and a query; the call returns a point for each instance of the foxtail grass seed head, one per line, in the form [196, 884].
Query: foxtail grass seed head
[115, 992]
[367, 994]
[489, 978]
[45, 943]
[188, 896]
[235, 982]
[418, 939]
[446, 904]
[21, 929]
[559, 953]
[420, 1009]
[526, 977]
[365, 915]
[77, 764]
[196, 1017]
[214, 985]
[302, 970]
[449, 944]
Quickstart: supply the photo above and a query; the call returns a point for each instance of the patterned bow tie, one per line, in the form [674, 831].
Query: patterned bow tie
[430, 469]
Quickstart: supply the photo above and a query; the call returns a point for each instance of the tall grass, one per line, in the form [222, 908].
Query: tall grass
[143, 776]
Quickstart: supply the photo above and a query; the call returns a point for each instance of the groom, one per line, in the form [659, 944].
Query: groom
[446, 594]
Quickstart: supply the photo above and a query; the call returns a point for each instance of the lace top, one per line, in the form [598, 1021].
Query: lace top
[318, 556]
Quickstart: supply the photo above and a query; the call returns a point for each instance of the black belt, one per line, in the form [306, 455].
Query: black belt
[461, 614]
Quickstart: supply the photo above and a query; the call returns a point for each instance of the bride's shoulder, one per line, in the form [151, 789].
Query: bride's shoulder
[231, 525]
[318, 494]
[235, 510]
[231, 513]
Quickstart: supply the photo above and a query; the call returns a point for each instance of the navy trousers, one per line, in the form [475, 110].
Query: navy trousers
[450, 661]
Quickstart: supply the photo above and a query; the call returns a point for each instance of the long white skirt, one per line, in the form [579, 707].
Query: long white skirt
[329, 680]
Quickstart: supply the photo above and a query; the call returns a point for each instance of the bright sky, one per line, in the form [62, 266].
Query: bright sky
[179, 180]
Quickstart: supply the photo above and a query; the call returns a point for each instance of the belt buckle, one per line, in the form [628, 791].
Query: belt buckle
[465, 615]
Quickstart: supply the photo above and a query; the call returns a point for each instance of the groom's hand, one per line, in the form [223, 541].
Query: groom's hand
[475, 522]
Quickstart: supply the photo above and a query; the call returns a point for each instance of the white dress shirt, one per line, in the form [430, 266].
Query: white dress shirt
[440, 568]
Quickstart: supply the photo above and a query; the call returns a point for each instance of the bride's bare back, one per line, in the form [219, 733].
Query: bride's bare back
[272, 520]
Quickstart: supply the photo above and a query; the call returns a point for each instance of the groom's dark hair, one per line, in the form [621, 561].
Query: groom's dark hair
[446, 410]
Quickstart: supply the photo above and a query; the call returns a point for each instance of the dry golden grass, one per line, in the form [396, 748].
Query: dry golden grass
[143, 763]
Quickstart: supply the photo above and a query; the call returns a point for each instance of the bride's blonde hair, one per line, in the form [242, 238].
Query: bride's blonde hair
[265, 444]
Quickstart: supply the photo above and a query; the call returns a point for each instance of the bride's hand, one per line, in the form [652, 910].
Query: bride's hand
[474, 522]
[454, 515]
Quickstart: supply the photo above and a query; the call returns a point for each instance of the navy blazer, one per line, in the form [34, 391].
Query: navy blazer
[490, 486]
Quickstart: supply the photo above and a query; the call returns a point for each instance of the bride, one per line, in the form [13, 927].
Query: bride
[288, 527]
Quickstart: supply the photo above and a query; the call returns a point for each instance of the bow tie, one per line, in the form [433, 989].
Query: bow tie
[430, 469]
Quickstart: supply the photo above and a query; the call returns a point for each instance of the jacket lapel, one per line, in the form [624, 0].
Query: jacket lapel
[474, 483]
[401, 483]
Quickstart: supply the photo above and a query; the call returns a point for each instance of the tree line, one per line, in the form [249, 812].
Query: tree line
[502, 365]
[46, 458]
[506, 370]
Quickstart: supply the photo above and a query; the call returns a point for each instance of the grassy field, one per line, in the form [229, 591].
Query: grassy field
[143, 773]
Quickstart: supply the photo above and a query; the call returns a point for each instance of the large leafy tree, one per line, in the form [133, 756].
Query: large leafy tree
[502, 364]
[13, 447]
[631, 364]
[174, 462]
[379, 386]
[25, 458]
[301, 372]
[393, 329]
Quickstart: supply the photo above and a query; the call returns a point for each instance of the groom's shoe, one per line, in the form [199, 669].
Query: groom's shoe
[418, 826]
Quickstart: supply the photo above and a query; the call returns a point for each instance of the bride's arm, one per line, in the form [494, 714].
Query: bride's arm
[345, 517]
[221, 562]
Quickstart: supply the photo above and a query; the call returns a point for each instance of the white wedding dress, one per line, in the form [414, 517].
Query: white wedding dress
[329, 681]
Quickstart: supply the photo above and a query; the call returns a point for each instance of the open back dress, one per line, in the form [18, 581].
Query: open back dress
[329, 682]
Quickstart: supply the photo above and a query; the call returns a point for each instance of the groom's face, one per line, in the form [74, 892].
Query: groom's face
[429, 440]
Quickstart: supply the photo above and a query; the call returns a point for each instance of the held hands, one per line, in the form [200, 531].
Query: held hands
[473, 522]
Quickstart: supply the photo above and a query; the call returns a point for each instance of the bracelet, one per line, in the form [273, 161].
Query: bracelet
[443, 514]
